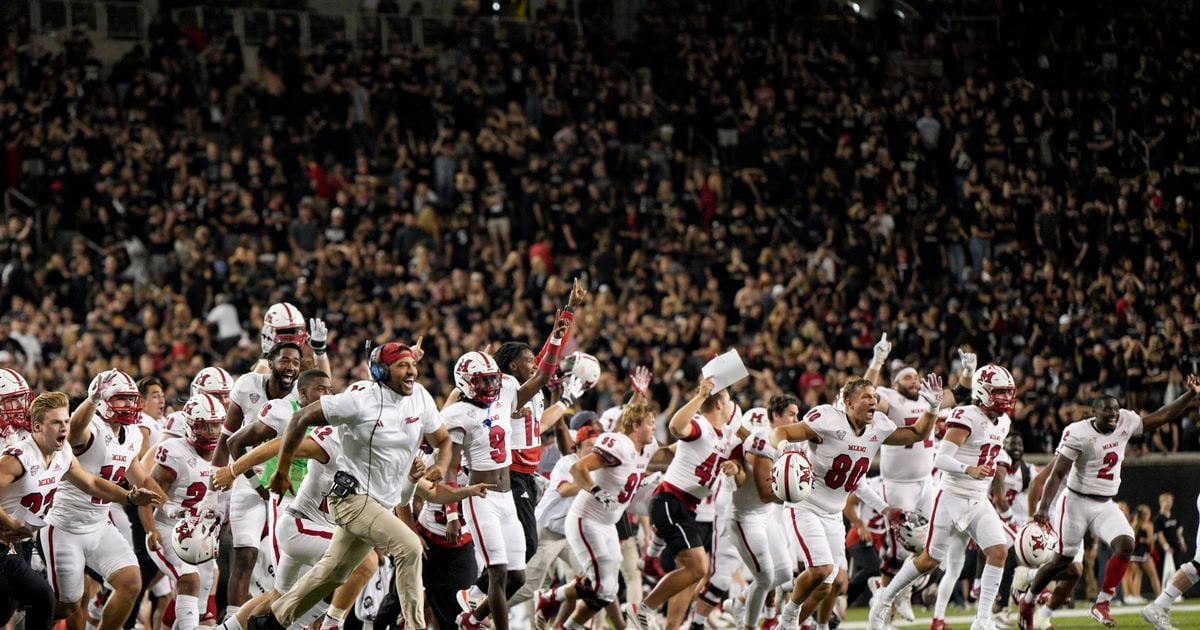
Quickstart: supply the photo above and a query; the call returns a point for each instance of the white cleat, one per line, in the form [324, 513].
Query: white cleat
[881, 614]
[983, 624]
[1158, 617]
[904, 605]
[640, 618]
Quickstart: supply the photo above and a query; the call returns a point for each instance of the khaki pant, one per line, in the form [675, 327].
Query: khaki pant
[363, 524]
[552, 547]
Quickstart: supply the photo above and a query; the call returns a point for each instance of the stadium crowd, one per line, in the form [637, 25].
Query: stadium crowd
[775, 187]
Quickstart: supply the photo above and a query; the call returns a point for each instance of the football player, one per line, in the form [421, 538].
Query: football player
[183, 469]
[480, 425]
[1091, 451]
[106, 442]
[841, 446]
[284, 335]
[974, 438]
[689, 479]
[31, 472]
[757, 520]
[15, 397]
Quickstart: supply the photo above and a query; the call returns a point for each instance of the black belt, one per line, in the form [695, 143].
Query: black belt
[1094, 497]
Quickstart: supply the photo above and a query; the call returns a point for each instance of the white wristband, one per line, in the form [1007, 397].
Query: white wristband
[452, 517]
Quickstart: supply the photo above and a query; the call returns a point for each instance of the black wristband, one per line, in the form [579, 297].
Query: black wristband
[962, 394]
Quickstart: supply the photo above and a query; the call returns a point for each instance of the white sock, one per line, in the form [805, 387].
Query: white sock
[769, 612]
[559, 594]
[333, 618]
[476, 593]
[570, 624]
[231, 623]
[989, 585]
[907, 574]
[698, 619]
[1168, 596]
[945, 591]
[187, 612]
[1046, 611]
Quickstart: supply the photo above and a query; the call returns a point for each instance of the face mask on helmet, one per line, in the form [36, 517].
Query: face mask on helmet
[487, 387]
[123, 409]
[14, 410]
[297, 336]
[204, 434]
[1003, 399]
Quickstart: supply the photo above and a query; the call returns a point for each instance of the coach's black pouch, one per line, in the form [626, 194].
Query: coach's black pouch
[344, 485]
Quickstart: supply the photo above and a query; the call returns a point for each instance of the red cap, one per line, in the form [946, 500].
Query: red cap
[392, 352]
[586, 432]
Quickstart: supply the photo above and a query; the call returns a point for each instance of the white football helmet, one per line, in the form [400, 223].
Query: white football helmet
[283, 324]
[204, 417]
[756, 418]
[912, 528]
[15, 398]
[213, 381]
[583, 366]
[123, 407]
[478, 377]
[1036, 545]
[792, 477]
[993, 389]
[196, 537]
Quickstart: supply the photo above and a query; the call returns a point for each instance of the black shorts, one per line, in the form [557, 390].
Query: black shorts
[675, 523]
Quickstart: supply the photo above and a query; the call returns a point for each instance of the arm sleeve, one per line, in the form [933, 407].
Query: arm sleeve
[1068, 447]
[870, 498]
[945, 458]
[340, 408]
[408, 489]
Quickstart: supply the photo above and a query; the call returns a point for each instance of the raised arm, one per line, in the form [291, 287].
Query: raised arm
[681, 422]
[548, 359]
[81, 420]
[931, 395]
[882, 349]
[1173, 409]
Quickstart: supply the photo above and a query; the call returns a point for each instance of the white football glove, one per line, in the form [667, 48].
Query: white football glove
[882, 349]
[607, 501]
[969, 362]
[572, 387]
[318, 333]
[931, 392]
[106, 388]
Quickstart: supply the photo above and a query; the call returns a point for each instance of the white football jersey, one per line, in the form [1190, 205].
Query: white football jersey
[485, 433]
[747, 505]
[276, 414]
[842, 458]
[153, 427]
[34, 490]
[983, 446]
[174, 426]
[1016, 486]
[697, 463]
[250, 394]
[310, 501]
[433, 515]
[621, 478]
[192, 476]
[109, 452]
[876, 522]
[1098, 456]
[527, 434]
[913, 462]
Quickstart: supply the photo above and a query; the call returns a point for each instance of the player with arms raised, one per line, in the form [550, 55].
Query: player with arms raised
[1091, 451]
[841, 447]
[961, 508]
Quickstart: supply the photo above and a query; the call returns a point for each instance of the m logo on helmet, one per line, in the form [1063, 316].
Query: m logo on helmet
[986, 376]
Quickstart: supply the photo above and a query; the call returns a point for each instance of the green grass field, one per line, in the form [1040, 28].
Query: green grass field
[1184, 615]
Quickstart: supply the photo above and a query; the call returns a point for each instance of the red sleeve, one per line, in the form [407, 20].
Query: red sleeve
[694, 432]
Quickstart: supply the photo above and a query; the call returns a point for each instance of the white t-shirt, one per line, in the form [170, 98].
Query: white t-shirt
[1098, 456]
[552, 508]
[381, 433]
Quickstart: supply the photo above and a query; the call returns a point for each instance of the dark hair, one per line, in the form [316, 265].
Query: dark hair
[778, 404]
[146, 382]
[1098, 401]
[308, 376]
[712, 401]
[509, 353]
[279, 348]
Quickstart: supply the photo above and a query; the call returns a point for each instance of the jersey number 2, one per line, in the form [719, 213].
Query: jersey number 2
[1110, 462]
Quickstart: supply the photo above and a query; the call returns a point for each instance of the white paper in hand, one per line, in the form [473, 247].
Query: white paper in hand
[725, 370]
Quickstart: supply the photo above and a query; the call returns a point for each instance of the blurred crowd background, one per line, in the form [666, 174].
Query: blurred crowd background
[749, 176]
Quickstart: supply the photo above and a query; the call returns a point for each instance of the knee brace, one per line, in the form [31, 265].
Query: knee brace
[1192, 571]
[714, 595]
[588, 595]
